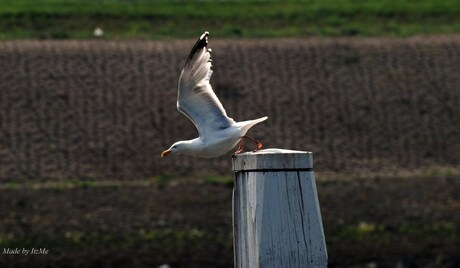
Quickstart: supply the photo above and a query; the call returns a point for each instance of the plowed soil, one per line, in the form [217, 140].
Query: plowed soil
[106, 110]
[103, 111]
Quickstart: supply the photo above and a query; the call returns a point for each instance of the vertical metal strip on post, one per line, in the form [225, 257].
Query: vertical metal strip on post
[276, 216]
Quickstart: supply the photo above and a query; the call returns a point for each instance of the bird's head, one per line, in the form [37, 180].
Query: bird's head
[177, 148]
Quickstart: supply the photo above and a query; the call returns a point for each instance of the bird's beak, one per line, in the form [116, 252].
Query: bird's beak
[165, 153]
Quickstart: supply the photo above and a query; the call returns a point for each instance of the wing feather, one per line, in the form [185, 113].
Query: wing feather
[196, 99]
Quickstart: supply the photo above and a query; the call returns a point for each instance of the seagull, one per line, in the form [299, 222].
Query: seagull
[218, 133]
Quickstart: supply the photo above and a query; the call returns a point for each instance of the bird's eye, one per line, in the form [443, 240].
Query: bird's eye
[175, 146]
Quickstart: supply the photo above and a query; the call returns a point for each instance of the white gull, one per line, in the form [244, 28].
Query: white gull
[218, 133]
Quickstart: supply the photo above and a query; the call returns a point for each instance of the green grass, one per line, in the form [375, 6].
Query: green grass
[74, 183]
[364, 229]
[160, 181]
[164, 238]
[219, 180]
[142, 19]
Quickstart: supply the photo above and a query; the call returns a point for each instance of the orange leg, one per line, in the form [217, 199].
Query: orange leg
[240, 148]
[258, 143]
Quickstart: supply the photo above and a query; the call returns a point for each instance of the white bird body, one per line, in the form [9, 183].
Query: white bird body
[222, 142]
[218, 133]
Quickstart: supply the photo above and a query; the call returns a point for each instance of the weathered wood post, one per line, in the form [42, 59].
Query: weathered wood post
[276, 216]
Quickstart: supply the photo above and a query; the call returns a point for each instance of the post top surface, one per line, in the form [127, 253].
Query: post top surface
[274, 151]
[273, 159]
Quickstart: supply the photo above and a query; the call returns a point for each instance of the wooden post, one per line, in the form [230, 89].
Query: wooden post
[276, 216]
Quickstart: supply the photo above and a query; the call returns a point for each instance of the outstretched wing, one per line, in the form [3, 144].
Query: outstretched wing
[196, 99]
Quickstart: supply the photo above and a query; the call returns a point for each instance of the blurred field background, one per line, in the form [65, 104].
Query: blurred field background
[370, 87]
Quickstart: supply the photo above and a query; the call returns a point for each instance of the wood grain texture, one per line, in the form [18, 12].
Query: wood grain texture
[277, 220]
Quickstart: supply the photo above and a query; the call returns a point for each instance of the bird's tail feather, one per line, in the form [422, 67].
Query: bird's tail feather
[246, 125]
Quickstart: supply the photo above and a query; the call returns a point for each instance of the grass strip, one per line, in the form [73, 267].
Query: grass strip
[60, 19]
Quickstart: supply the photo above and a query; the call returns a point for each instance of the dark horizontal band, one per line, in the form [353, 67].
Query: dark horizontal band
[275, 170]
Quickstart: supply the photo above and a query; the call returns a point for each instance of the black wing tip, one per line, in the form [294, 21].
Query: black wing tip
[201, 43]
[204, 36]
